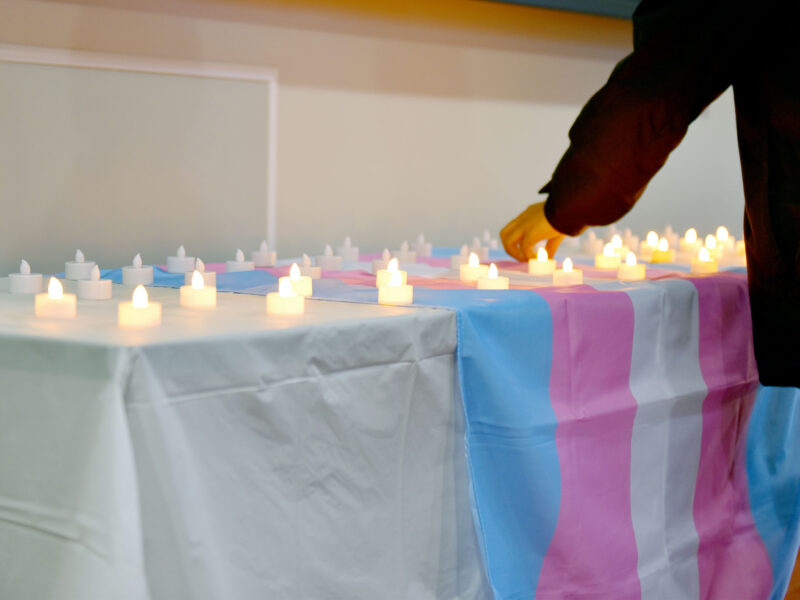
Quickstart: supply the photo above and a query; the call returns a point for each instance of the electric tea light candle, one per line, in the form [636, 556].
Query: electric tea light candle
[347, 251]
[423, 248]
[136, 274]
[209, 277]
[493, 281]
[404, 255]
[703, 263]
[566, 275]
[616, 244]
[307, 270]
[180, 263]
[382, 262]
[139, 313]
[714, 250]
[473, 270]
[663, 253]
[198, 294]
[80, 268]
[649, 244]
[689, 243]
[24, 282]
[395, 292]
[328, 261]
[285, 302]
[630, 270]
[94, 288]
[542, 264]
[299, 284]
[263, 257]
[462, 258]
[608, 260]
[383, 276]
[55, 304]
[239, 263]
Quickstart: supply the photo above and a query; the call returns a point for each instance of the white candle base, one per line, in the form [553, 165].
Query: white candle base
[302, 286]
[662, 256]
[209, 278]
[78, 270]
[313, 272]
[329, 263]
[384, 276]
[628, 272]
[456, 260]
[407, 257]
[350, 253]
[469, 274]
[180, 264]
[130, 317]
[424, 250]
[94, 290]
[493, 283]
[704, 267]
[278, 306]
[234, 266]
[563, 278]
[205, 297]
[606, 263]
[137, 275]
[541, 267]
[46, 307]
[25, 284]
[395, 295]
[264, 259]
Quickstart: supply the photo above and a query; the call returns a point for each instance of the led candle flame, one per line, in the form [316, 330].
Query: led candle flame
[616, 242]
[181, 253]
[493, 281]
[24, 267]
[328, 250]
[347, 242]
[609, 260]
[54, 289]
[464, 250]
[300, 284]
[199, 266]
[24, 282]
[689, 244]
[264, 247]
[386, 255]
[306, 260]
[79, 258]
[139, 299]
[691, 236]
[663, 244]
[722, 233]
[348, 251]
[286, 301]
[209, 277]
[239, 255]
[197, 281]
[404, 246]
[394, 279]
[567, 275]
[308, 270]
[423, 248]
[541, 255]
[711, 242]
[456, 260]
[543, 265]
[328, 261]
[95, 274]
[384, 276]
[630, 270]
[652, 239]
[704, 263]
[137, 261]
[473, 270]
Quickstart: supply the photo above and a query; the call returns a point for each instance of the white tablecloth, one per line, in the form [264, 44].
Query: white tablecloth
[231, 456]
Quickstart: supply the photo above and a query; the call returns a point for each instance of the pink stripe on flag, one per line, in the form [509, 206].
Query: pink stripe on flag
[732, 559]
[594, 547]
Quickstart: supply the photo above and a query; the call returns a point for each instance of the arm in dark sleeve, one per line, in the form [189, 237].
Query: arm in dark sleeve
[685, 55]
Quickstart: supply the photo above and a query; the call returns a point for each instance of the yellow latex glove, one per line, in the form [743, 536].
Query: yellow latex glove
[526, 230]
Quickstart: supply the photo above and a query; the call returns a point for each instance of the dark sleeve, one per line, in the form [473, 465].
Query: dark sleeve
[686, 53]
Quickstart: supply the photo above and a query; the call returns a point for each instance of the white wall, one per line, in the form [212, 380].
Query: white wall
[398, 117]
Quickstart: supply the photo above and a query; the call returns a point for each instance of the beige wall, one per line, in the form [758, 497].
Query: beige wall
[442, 116]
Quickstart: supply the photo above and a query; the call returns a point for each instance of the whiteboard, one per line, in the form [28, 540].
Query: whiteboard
[128, 156]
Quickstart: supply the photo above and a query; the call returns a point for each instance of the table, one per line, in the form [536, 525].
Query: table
[228, 455]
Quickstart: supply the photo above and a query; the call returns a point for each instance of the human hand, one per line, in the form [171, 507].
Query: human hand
[526, 230]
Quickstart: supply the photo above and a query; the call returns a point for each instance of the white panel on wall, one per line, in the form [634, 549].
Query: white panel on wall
[124, 161]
